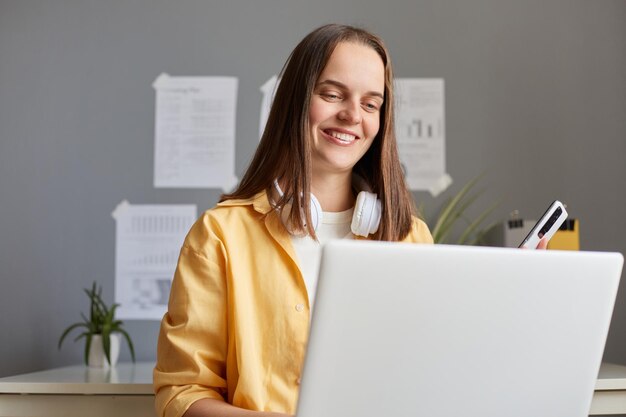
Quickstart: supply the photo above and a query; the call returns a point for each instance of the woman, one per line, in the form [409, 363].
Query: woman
[234, 338]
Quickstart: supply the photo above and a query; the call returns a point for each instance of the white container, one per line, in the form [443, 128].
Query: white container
[97, 358]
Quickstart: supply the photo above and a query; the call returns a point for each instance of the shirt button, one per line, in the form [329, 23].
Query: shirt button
[299, 307]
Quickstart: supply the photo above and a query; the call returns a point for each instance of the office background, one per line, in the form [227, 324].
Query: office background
[535, 98]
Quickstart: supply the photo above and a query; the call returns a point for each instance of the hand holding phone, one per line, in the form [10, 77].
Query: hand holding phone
[547, 225]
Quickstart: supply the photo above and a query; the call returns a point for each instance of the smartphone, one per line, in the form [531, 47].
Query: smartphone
[547, 225]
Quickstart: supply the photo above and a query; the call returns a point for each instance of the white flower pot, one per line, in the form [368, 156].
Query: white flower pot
[97, 358]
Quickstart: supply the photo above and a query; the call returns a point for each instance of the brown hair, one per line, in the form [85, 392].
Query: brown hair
[285, 150]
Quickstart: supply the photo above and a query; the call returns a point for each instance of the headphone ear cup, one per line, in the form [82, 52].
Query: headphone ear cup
[367, 213]
[316, 214]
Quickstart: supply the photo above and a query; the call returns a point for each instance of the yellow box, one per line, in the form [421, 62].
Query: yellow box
[567, 237]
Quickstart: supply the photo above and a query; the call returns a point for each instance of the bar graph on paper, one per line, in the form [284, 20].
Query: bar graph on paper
[417, 129]
[148, 241]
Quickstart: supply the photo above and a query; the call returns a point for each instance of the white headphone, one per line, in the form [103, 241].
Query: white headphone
[367, 209]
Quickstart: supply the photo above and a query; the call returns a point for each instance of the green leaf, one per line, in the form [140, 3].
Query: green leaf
[111, 314]
[87, 346]
[130, 343]
[456, 214]
[68, 330]
[478, 239]
[450, 211]
[106, 344]
[474, 225]
[453, 211]
[80, 336]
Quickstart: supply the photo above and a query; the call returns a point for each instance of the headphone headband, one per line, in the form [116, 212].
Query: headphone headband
[367, 209]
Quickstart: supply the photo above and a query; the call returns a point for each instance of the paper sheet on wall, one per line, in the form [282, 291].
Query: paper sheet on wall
[268, 89]
[420, 131]
[195, 132]
[147, 244]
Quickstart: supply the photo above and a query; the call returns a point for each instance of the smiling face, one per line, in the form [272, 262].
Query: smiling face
[345, 107]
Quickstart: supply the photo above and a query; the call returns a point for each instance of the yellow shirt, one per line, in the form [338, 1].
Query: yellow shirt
[238, 315]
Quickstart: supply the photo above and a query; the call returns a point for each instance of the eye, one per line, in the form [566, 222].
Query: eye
[331, 95]
[371, 106]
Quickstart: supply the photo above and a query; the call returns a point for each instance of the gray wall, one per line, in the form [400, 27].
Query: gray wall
[535, 97]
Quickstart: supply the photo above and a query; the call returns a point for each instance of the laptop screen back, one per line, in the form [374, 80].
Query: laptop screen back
[423, 330]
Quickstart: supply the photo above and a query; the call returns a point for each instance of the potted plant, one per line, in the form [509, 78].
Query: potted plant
[101, 331]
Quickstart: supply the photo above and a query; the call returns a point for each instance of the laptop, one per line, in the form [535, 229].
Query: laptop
[435, 330]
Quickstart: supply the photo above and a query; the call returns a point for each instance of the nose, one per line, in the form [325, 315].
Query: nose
[351, 113]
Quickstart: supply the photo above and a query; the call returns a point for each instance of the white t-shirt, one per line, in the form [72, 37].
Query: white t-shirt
[333, 226]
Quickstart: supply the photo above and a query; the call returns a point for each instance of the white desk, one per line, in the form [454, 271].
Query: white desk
[610, 393]
[127, 391]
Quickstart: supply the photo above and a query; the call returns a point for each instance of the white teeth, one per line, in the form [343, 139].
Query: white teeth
[343, 136]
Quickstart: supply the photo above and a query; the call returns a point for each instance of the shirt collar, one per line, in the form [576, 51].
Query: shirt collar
[259, 202]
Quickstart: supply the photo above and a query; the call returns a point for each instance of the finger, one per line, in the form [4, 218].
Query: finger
[543, 244]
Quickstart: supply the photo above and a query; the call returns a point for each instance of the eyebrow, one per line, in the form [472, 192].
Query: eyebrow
[345, 87]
